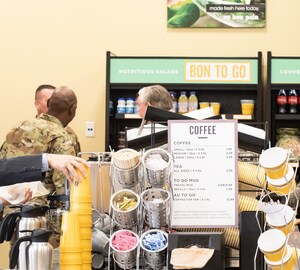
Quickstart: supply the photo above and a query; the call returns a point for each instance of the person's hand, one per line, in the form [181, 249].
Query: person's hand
[27, 195]
[67, 164]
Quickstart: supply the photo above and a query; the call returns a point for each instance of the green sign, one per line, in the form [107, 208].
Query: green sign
[285, 70]
[198, 71]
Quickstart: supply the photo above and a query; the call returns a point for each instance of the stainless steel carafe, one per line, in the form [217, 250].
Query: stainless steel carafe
[39, 253]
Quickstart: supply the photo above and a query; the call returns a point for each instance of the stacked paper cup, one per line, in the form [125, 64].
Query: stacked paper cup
[81, 203]
[70, 248]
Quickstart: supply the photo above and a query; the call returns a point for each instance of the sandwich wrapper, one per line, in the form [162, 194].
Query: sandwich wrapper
[15, 194]
[190, 258]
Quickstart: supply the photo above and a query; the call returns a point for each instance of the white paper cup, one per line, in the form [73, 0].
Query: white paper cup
[287, 263]
[272, 244]
[282, 220]
[274, 161]
[284, 184]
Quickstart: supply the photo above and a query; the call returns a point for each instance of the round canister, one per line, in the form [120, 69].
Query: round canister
[154, 245]
[272, 244]
[274, 161]
[156, 206]
[125, 204]
[157, 163]
[282, 220]
[124, 244]
[287, 263]
[284, 184]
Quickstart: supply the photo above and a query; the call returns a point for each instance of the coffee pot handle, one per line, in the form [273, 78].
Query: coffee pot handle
[14, 251]
[7, 226]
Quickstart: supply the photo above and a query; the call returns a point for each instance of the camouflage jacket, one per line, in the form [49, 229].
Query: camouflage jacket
[44, 134]
[74, 138]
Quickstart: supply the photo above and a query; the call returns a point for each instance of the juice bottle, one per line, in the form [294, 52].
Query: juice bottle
[182, 103]
[174, 100]
[193, 102]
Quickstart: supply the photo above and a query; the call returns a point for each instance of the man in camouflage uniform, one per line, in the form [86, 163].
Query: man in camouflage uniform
[45, 134]
[42, 95]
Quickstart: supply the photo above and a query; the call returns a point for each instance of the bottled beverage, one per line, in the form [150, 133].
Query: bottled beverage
[193, 102]
[175, 103]
[292, 101]
[182, 103]
[129, 106]
[281, 101]
[121, 105]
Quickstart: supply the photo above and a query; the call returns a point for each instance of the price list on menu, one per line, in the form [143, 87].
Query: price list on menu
[204, 178]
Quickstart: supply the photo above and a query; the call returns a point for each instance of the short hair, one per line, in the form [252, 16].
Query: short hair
[41, 87]
[157, 95]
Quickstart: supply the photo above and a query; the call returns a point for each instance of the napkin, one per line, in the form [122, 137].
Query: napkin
[14, 194]
[190, 258]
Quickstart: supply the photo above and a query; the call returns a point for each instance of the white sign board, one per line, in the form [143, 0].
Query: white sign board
[204, 181]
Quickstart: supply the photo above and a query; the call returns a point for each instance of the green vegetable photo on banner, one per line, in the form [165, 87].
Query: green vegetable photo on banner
[216, 13]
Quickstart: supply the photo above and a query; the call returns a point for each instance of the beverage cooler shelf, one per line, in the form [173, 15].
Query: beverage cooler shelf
[287, 117]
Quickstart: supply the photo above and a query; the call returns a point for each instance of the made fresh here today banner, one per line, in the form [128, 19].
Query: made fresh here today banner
[174, 70]
[216, 13]
[204, 179]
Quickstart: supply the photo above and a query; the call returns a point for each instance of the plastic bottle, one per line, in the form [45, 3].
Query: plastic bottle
[193, 102]
[121, 105]
[292, 101]
[281, 101]
[175, 103]
[182, 103]
[129, 106]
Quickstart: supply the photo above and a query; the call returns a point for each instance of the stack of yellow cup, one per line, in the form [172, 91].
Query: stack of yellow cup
[81, 203]
[70, 248]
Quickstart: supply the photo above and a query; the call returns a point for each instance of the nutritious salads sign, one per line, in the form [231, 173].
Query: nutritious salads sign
[204, 179]
[216, 13]
[173, 70]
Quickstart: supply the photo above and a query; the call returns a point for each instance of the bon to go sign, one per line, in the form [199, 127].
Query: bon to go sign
[218, 72]
[175, 70]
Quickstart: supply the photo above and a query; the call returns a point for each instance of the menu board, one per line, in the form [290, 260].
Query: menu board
[204, 180]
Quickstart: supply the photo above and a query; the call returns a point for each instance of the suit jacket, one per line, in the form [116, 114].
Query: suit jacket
[21, 169]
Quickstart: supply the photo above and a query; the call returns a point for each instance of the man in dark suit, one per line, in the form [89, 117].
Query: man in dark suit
[33, 167]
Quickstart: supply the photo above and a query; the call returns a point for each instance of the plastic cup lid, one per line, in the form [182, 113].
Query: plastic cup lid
[273, 157]
[271, 240]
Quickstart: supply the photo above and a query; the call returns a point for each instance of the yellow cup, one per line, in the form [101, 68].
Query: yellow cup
[86, 256]
[70, 258]
[272, 244]
[274, 161]
[203, 105]
[70, 267]
[86, 244]
[85, 233]
[85, 220]
[216, 107]
[86, 266]
[283, 185]
[70, 233]
[247, 106]
[282, 220]
[287, 263]
[82, 189]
